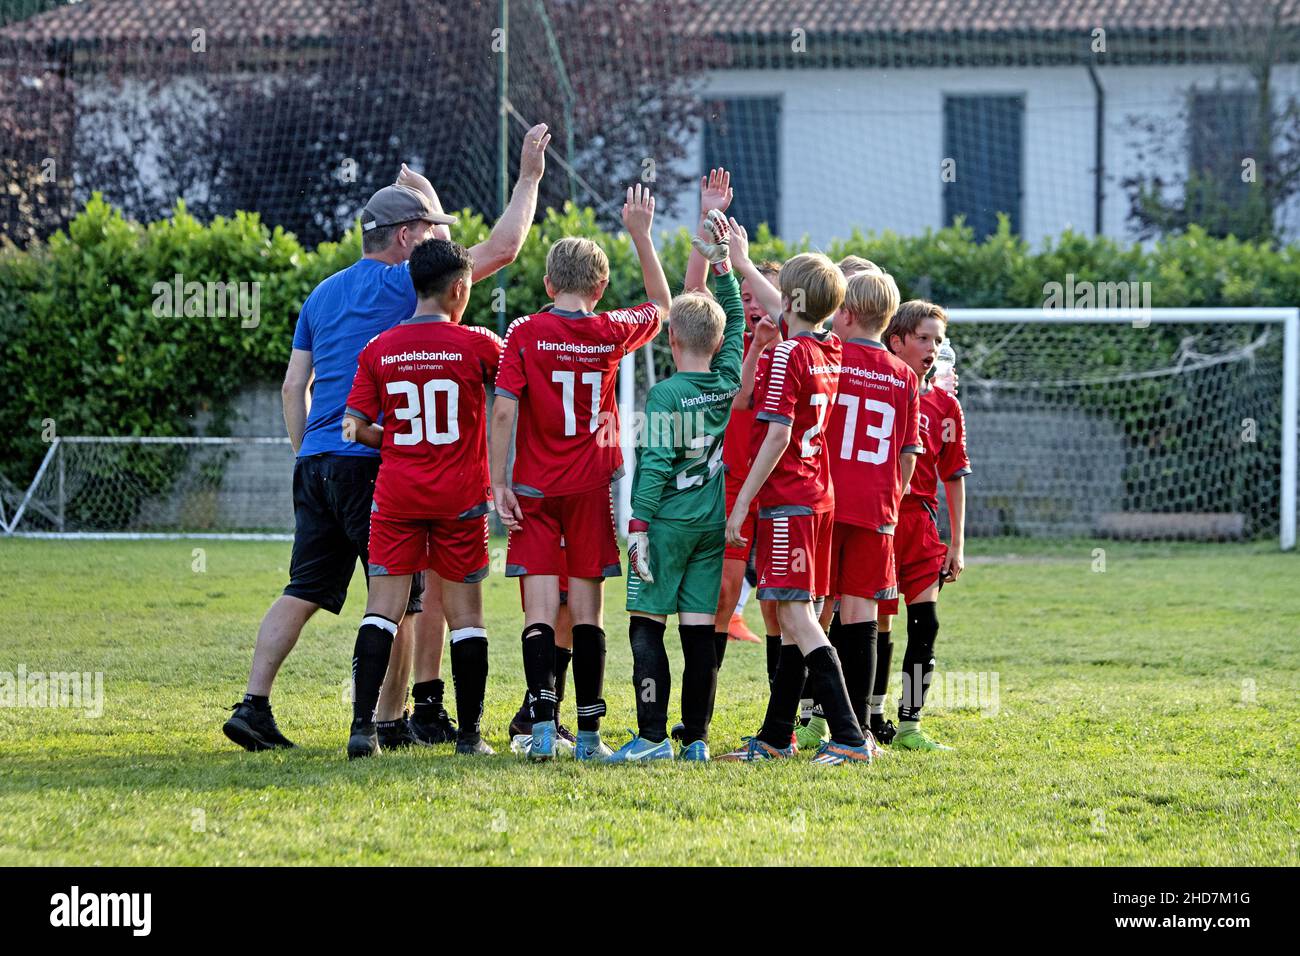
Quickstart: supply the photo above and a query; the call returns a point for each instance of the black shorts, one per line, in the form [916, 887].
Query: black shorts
[331, 515]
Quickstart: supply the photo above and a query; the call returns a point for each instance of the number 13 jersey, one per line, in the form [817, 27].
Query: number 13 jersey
[562, 367]
[428, 377]
[873, 423]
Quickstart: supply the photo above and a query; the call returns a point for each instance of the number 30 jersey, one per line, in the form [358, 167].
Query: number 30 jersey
[798, 391]
[562, 367]
[873, 423]
[428, 377]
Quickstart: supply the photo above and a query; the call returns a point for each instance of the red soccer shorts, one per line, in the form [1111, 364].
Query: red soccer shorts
[794, 556]
[573, 533]
[749, 529]
[455, 548]
[862, 563]
[919, 554]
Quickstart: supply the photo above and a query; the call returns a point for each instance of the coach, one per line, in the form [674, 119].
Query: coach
[333, 480]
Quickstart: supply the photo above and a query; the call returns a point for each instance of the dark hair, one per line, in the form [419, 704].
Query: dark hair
[436, 264]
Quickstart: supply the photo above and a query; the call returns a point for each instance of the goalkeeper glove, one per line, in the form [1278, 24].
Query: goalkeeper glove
[718, 252]
[638, 549]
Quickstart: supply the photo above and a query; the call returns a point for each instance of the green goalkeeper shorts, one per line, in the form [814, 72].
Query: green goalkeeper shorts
[687, 570]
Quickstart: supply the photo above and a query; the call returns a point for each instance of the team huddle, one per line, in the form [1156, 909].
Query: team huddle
[798, 440]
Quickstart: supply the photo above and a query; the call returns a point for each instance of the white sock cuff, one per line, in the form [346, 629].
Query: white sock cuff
[463, 632]
[379, 621]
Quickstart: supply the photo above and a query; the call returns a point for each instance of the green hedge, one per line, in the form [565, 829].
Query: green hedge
[83, 347]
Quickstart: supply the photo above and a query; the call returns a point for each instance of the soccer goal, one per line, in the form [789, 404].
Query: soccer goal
[1125, 423]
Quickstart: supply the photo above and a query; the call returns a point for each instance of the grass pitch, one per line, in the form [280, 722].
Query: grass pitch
[1144, 714]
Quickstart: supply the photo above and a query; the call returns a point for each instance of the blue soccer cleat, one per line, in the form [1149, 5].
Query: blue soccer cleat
[589, 746]
[832, 754]
[697, 751]
[543, 747]
[640, 750]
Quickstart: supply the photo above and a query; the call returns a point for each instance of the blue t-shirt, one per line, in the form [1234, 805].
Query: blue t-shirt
[340, 316]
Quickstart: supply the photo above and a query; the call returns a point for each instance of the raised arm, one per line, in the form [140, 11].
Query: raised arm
[768, 295]
[715, 193]
[765, 333]
[638, 217]
[503, 243]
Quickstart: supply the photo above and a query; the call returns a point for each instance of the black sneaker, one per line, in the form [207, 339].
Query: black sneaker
[885, 732]
[396, 734]
[364, 741]
[441, 729]
[522, 721]
[254, 729]
[473, 746]
[677, 731]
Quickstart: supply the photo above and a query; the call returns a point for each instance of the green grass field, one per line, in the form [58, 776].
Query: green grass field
[1147, 714]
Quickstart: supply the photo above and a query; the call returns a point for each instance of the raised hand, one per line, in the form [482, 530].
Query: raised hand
[765, 333]
[638, 211]
[712, 242]
[739, 242]
[532, 157]
[715, 191]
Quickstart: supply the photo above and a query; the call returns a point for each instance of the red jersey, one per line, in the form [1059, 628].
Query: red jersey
[943, 433]
[798, 391]
[735, 441]
[561, 367]
[428, 377]
[873, 423]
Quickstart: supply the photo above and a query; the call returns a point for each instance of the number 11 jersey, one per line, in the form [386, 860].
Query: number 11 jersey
[562, 367]
[428, 377]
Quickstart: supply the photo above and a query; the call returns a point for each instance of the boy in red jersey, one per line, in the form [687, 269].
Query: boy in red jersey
[873, 438]
[924, 562]
[558, 374]
[790, 477]
[427, 377]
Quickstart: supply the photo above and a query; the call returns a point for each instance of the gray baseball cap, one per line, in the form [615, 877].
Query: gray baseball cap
[396, 204]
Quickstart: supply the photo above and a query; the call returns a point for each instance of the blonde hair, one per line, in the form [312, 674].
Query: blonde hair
[697, 322]
[812, 284]
[769, 269]
[854, 265]
[872, 299]
[909, 317]
[576, 265]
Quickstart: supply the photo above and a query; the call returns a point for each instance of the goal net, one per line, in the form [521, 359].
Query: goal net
[1163, 424]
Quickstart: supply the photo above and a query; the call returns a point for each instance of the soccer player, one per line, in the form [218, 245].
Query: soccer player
[427, 377]
[873, 440]
[790, 477]
[924, 562]
[521, 724]
[675, 535]
[558, 375]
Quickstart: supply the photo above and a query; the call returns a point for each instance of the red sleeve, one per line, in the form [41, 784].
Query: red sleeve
[634, 327]
[511, 380]
[363, 400]
[953, 462]
[490, 347]
[912, 432]
[784, 380]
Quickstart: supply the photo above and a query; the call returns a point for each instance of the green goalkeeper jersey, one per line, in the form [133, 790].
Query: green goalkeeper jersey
[679, 472]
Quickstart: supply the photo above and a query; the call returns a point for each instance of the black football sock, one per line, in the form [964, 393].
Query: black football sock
[370, 664]
[880, 685]
[856, 646]
[563, 658]
[773, 655]
[589, 674]
[699, 680]
[783, 705]
[539, 669]
[428, 698]
[651, 677]
[258, 701]
[469, 672]
[918, 659]
[824, 669]
[719, 645]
